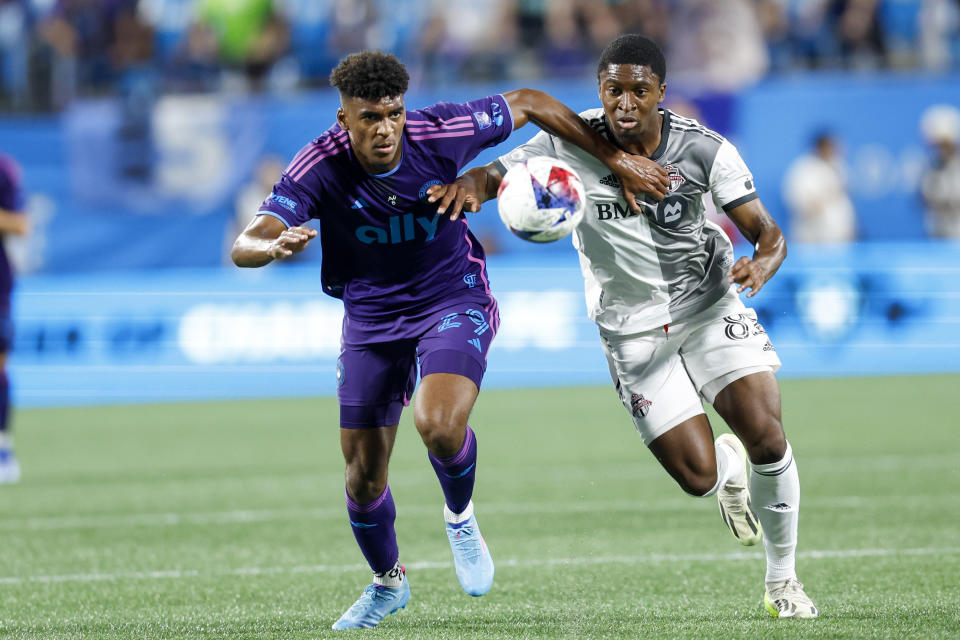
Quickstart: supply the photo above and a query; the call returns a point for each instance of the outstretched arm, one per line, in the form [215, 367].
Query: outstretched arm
[770, 247]
[267, 239]
[468, 192]
[638, 174]
[14, 222]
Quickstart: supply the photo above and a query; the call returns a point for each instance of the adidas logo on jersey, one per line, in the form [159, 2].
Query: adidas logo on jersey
[610, 181]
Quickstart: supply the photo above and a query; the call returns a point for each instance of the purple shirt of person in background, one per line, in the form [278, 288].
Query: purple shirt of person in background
[386, 251]
[12, 200]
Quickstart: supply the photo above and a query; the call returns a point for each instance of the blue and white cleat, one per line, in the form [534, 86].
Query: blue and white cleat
[471, 557]
[9, 467]
[374, 604]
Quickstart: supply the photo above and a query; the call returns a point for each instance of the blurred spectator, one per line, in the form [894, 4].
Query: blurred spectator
[859, 32]
[244, 36]
[14, 51]
[775, 25]
[649, 18]
[816, 194]
[468, 40]
[575, 31]
[939, 26]
[716, 45]
[940, 186]
[353, 26]
[93, 44]
[12, 221]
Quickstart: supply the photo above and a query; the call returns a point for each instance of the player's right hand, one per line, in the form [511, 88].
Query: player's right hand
[459, 196]
[639, 174]
[291, 241]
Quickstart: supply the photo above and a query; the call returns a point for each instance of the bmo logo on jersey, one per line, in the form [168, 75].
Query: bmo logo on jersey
[668, 213]
[401, 228]
[613, 211]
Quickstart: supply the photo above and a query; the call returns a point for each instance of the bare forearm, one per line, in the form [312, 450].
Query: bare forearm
[13, 222]
[770, 248]
[250, 251]
[486, 180]
[267, 239]
[557, 119]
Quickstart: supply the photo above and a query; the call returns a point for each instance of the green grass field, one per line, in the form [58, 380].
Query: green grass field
[226, 520]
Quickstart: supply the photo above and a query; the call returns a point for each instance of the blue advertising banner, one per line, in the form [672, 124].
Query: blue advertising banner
[231, 333]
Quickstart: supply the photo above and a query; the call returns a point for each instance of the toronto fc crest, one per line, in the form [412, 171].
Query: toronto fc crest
[675, 178]
[640, 405]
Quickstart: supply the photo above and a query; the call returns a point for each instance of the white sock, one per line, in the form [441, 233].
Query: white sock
[457, 518]
[5, 440]
[729, 467]
[392, 578]
[775, 492]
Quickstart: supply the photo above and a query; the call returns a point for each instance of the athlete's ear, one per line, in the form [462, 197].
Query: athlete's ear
[663, 91]
[342, 119]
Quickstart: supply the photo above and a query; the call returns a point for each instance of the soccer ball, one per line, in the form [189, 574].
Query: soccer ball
[541, 200]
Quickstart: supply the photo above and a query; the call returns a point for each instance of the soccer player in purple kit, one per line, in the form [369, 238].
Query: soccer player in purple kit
[13, 221]
[414, 287]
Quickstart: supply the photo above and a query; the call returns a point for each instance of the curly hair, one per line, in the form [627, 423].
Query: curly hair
[370, 75]
[634, 49]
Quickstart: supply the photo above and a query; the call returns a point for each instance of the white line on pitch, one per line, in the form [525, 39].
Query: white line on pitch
[653, 558]
[244, 516]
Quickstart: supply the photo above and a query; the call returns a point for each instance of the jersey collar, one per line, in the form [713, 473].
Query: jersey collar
[664, 134]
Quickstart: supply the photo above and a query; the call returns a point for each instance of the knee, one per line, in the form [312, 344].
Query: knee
[697, 482]
[766, 445]
[442, 431]
[364, 485]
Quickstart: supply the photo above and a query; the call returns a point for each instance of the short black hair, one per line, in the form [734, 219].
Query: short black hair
[635, 49]
[370, 75]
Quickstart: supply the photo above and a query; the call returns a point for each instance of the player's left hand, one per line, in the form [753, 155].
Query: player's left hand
[638, 175]
[748, 274]
[459, 196]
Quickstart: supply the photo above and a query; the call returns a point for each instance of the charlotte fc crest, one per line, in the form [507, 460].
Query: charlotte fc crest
[675, 178]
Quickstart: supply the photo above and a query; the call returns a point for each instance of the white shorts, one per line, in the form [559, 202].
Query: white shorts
[661, 374]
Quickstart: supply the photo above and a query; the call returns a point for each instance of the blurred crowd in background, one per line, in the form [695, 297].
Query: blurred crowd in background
[175, 137]
[52, 51]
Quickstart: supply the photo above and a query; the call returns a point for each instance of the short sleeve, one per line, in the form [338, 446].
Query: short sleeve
[464, 129]
[541, 144]
[730, 180]
[289, 202]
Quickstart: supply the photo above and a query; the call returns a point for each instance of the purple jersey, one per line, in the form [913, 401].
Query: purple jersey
[11, 200]
[386, 251]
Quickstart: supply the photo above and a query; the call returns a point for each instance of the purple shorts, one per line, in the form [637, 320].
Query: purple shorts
[376, 380]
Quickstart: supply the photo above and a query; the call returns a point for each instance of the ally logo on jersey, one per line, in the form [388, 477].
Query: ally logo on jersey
[405, 227]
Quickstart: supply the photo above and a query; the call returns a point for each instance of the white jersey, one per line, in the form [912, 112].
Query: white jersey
[644, 271]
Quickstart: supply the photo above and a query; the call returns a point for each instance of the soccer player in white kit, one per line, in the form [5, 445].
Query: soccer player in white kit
[662, 285]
